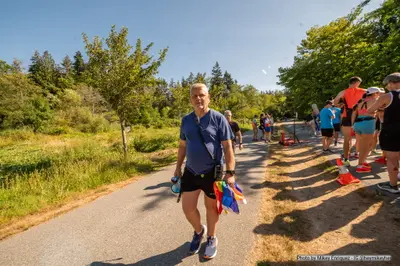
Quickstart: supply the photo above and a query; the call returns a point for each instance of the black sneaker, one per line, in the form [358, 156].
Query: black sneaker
[389, 188]
[196, 241]
[335, 143]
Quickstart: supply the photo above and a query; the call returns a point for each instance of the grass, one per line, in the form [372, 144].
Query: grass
[42, 171]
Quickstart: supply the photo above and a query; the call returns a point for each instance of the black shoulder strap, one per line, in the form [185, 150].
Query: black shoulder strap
[197, 119]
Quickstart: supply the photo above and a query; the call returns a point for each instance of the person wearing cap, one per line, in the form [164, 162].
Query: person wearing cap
[326, 117]
[389, 138]
[235, 129]
[348, 97]
[205, 138]
[364, 127]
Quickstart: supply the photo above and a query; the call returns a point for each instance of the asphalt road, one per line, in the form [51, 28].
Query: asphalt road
[141, 224]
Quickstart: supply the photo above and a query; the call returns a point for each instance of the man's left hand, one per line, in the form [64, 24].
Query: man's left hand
[229, 179]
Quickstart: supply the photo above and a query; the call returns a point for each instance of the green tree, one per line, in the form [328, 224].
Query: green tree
[17, 66]
[123, 78]
[78, 66]
[21, 103]
[4, 67]
[228, 81]
[200, 78]
[216, 76]
[44, 72]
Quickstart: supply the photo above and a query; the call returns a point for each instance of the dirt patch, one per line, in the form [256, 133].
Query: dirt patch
[305, 211]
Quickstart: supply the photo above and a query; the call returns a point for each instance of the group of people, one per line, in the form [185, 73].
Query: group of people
[207, 137]
[265, 125]
[371, 115]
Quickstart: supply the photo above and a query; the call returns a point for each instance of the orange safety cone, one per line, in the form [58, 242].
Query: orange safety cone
[345, 177]
[282, 141]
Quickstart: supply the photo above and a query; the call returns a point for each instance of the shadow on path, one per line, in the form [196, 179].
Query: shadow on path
[173, 257]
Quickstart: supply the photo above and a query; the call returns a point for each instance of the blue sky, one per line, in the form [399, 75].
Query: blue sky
[245, 37]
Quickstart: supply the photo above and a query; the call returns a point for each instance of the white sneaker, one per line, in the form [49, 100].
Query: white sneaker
[211, 247]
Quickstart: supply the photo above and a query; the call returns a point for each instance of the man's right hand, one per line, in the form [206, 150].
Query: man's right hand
[178, 172]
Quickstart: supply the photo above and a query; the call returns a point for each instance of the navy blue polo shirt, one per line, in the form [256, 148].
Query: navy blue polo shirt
[214, 128]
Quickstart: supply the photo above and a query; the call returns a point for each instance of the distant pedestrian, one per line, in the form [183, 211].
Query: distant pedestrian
[327, 116]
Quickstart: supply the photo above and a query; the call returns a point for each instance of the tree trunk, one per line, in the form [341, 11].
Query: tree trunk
[122, 122]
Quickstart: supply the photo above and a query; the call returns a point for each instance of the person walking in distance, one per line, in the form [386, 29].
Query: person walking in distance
[349, 97]
[267, 128]
[261, 126]
[205, 136]
[254, 124]
[326, 115]
[389, 138]
[235, 129]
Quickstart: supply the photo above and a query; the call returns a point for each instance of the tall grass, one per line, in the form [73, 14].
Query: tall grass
[41, 171]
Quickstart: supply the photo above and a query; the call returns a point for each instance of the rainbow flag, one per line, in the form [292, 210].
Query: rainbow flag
[228, 197]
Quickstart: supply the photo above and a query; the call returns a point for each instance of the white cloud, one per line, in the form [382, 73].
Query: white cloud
[265, 72]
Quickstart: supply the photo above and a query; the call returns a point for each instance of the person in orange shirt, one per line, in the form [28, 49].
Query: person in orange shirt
[349, 97]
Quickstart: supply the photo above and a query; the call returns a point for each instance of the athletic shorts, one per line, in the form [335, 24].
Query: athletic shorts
[346, 121]
[192, 182]
[327, 132]
[389, 139]
[364, 127]
[267, 129]
[336, 127]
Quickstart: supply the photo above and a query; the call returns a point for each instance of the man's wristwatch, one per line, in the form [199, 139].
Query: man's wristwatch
[230, 172]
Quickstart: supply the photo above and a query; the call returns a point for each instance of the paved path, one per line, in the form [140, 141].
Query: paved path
[377, 175]
[141, 224]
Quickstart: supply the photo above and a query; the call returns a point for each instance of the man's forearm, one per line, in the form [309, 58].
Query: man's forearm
[229, 158]
[240, 137]
[181, 156]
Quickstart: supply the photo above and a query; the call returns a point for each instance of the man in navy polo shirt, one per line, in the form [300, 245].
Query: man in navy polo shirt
[201, 159]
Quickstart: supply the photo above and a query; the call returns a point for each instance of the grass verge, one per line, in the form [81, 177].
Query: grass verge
[39, 172]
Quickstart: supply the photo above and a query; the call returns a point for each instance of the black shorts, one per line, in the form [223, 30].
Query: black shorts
[336, 127]
[327, 132]
[346, 121]
[192, 182]
[389, 139]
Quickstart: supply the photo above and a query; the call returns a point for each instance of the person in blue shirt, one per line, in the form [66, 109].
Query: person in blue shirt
[204, 155]
[327, 116]
[336, 122]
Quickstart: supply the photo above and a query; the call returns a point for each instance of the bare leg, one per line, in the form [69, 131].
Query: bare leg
[212, 215]
[374, 140]
[328, 142]
[392, 166]
[189, 206]
[364, 147]
[347, 141]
